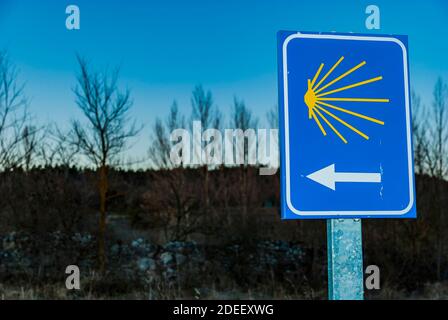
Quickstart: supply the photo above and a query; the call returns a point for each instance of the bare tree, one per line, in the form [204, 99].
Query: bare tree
[203, 110]
[272, 117]
[419, 125]
[57, 148]
[437, 161]
[173, 196]
[32, 139]
[104, 136]
[243, 119]
[16, 137]
[273, 122]
[161, 145]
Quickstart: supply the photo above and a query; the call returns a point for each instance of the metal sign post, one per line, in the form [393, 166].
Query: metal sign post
[345, 267]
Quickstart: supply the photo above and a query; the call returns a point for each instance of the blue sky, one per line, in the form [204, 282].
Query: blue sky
[164, 48]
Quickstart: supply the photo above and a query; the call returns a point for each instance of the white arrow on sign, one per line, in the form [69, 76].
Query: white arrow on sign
[328, 177]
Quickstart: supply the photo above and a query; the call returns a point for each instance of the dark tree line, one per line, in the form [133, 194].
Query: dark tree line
[58, 178]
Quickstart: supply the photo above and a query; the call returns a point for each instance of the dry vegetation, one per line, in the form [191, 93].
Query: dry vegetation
[55, 212]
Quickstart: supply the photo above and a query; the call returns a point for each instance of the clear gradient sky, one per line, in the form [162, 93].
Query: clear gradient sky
[164, 48]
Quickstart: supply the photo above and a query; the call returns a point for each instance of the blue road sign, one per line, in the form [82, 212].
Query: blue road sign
[345, 124]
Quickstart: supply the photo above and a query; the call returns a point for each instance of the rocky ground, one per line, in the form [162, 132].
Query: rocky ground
[33, 267]
[185, 266]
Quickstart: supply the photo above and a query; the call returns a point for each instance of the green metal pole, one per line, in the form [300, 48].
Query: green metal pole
[345, 267]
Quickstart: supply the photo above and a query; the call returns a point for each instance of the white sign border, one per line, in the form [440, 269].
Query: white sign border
[286, 118]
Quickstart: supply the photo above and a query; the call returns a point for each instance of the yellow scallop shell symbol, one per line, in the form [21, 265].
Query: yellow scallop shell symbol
[317, 101]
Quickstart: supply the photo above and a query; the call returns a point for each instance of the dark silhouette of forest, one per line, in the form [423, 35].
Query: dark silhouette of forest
[69, 196]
